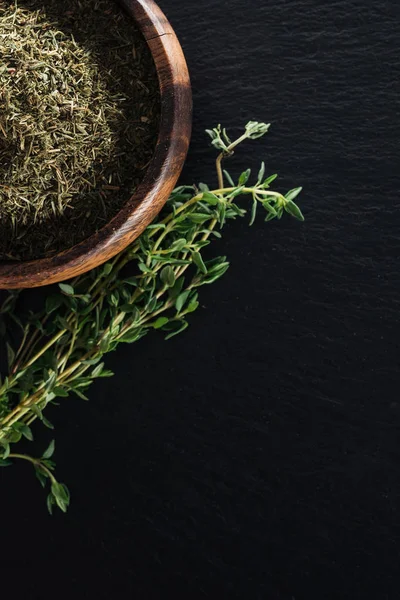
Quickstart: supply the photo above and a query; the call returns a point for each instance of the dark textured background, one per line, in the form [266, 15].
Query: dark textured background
[258, 455]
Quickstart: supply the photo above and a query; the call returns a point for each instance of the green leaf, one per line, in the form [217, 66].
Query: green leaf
[269, 180]
[253, 211]
[66, 289]
[50, 503]
[203, 187]
[261, 173]
[144, 268]
[41, 475]
[61, 495]
[198, 261]
[294, 210]
[132, 311]
[10, 355]
[97, 371]
[183, 325]
[36, 411]
[192, 306]
[244, 177]
[178, 245]
[47, 423]
[269, 208]
[26, 432]
[60, 392]
[114, 298]
[236, 192]
[151, 305]
[229, 178]
[292, 194]
[132, 336]
[52, 303]
[198, 218]
[107, 268]
[48, 453]
[131, 281]
[80, 394]
[6, 447]
[270, 216]
[217, 272]
[180, 301]
[210, 198]
[167, 276]
[161, 321]
[5, 463]
[176, 289]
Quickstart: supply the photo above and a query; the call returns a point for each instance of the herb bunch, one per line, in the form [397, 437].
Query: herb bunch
[61, 348]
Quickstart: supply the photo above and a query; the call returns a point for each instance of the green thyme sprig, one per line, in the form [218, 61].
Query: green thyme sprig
[62, 347]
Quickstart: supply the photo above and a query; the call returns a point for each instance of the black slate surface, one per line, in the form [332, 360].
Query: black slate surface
[257, 455]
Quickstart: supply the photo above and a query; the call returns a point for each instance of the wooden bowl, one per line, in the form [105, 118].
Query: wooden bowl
[161, 176]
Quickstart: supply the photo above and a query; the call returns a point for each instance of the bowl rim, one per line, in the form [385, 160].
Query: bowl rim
[161, 175]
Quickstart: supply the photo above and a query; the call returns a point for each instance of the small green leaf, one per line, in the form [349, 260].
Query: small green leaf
[192, 306]
[60, 392]
[48, 453]
[61, 495]
[41, 475]
[52, 303]
[183, 325]
[269, 180]
[66, 289]
[176, 289]
[81, 395]
[47, 423]
[98, 370]
[294, 210]
[180, 301]
[114, 298]
[178, 245]
[131, 281]
[198, 218]
[270, 216]
[292, 194]
[107, 268]
[26, 432]
[5, 463]
[151, 305]
[229, 178]
[269, 208]
[50, 503]
[144, 268]
[167, 276]
[261, 173]
[161, 321]
[210, 198]
[253, 212]
[203, 187]
[244, 177]
[6, 447]
[198, 261]
[10, 355]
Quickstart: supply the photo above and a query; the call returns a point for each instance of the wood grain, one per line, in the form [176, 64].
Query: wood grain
[161, 176]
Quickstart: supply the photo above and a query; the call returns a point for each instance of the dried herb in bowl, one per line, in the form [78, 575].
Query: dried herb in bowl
[79, 114]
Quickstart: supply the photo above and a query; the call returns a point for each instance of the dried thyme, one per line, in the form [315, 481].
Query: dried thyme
[79, 110]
